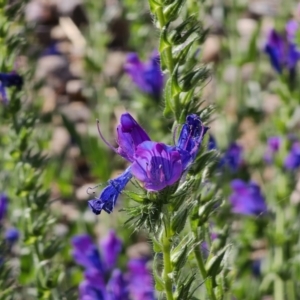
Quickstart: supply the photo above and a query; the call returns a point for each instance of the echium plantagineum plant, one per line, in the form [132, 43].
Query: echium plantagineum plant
[22, 165]
[171, 205]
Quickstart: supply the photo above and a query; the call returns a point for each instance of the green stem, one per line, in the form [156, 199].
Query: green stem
[278, 255]
[290, 290]
[201, 266]
[169, 58]
[167, 258]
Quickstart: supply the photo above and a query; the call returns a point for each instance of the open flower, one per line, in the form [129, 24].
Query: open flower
[8, 80]
[246, 198]
[155, 165]
[146, 76]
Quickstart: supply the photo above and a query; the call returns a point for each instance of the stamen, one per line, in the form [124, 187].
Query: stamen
[103, 139]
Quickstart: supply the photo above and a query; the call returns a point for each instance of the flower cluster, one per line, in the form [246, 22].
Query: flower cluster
[146, 76]
[102, 281]
[282, 49]
[155, 165]
[8, 80]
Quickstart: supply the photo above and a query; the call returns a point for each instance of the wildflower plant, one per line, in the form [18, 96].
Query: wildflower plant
[23, 166]
[170, 177]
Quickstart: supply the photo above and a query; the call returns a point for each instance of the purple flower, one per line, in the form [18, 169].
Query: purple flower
[282, 50]
[129, 135]
[212, 144]
[157, 165]
[109, 195]
[3, 205]
[246, 198]
[146, 76]
[12, 235]
[8, 80]
[117, 287]
[93, 287]
[111, 247]
[292, 161]
[190, 139]
[85, 253]
[141, 281]
[272, 148]
[233, 157]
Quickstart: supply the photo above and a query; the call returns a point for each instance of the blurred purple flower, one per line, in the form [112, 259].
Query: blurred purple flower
[212, 144]
[233, 157]
[3, 205]
[292, 161]
[111, 247]
[93, 287]
[282, 50]
[146, 76]
[273, 146]
[85, 253]
[141, 281]
[12, 235]
[246, 198]
[109, 195]
[117, 287]
[8, 80]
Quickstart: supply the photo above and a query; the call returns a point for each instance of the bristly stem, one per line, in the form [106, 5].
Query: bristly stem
[170, 62]
[201, 266]
[278, 255]
[166, 243]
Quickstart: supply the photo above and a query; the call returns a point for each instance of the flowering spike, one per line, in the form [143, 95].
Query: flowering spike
[108, 197]
[292, 161]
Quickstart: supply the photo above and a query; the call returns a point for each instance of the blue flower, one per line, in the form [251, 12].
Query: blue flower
[141, 281]
[292, 161]
[233, 157]
[108, 197]
[246, 198]
[147, 76]
[3, 205]
[282, 50]
[12, 235]
[8, 80]
[212, 144]
[85, 252]
[111, 247]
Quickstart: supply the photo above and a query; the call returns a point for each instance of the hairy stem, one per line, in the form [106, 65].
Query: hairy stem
[278, 255]
[201, 266]
[167, 272]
